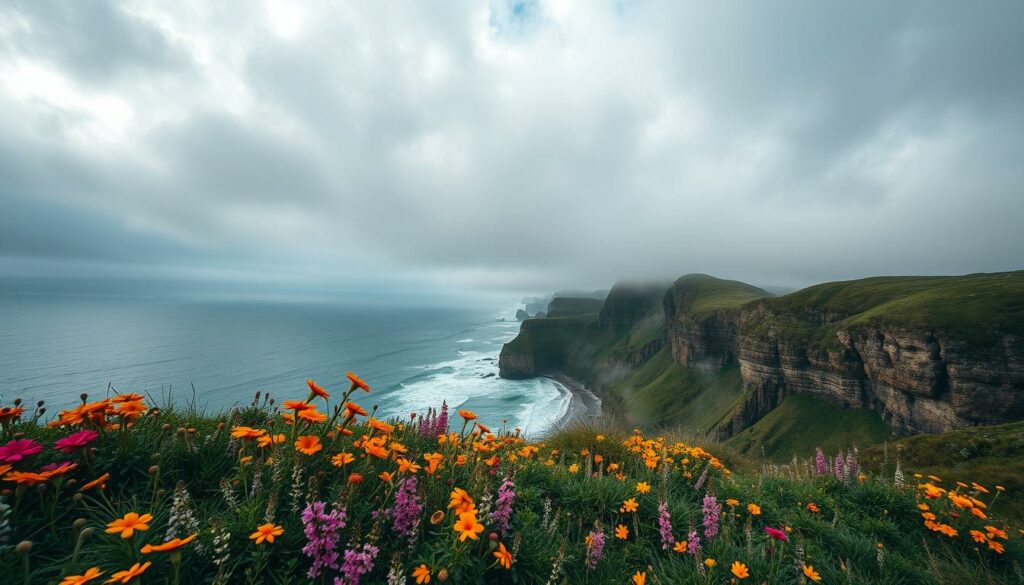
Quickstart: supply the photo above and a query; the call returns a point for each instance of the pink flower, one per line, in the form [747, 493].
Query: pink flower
[76, 440]
[776, 533]
[18, 449]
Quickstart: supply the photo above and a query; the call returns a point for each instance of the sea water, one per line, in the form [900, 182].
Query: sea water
[221, 350]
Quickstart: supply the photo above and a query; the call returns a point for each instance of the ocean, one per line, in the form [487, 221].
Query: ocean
[55, 346]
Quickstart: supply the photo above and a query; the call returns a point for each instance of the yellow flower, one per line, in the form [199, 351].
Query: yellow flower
[629, 505]
[342, 459]
[710, 563]
[642, 487]
[732, 502]
[739, 570]
[129, 524]
[82, 579]
[266, 532]
[754, 509]
[811, 574]
[421, 574]
[574, 468]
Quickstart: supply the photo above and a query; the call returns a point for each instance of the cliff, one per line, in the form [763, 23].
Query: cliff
[927, 354]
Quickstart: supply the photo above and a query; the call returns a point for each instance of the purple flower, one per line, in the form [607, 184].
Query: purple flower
[357, 563]
[322, 531]
[820, 464]
[441, 426]
[693, 543]
[406, 513]
[595, 548]
[711, 512]
[18, 449]
[839, 466]
[665, 526]
[502, 514]
[851, 465]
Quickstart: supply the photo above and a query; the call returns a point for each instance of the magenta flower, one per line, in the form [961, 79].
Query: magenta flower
[18, 449]
[776, 533]
[665, 526]
[76, 441]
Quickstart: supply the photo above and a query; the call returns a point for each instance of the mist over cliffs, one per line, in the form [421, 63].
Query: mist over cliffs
[926, 354]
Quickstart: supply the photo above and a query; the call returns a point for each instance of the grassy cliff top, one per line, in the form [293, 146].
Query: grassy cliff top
[973, 308]
[572, 307]
[700, 292]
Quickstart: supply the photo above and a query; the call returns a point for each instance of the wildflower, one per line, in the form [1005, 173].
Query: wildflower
[502, 514]
[978, 536]
[129, 574]
[811, 574]
[421, 574]
[776, 534]
[574, 468]
[358, 563]
[296, 405]
[504, 557]
[467, 414]
[732, 502]
[129, 524]
[680, 547]
[380, 425]
[811, 507]
[665, 526]
[739, 570]
[710, 563]
[820, 464]
[642, 487]
[308, 444]
[239, 432]
[995, 532]
[357, 382]
[700, 481]
[82, 579]
[405, 515]
[169, 546]
[352, 409]
[18, 449]
[467, 526]
[460, 501]
[711, 513]
[621, 532]
[375, 447]
[629, 505]
[355, 478]
[433, 461]
[75, 441]
[342, 459]
[316, 390]
[639, 578]
[692, 543]
[595, 548]
[322, 530]
[266, 532]
[404, 465]
[9, 413]
[754, 509]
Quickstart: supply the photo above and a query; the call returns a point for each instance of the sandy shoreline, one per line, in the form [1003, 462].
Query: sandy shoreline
[584, 405]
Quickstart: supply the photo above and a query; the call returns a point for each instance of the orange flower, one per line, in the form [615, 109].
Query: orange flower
[629, 505]
[9, 413]
[312, 415]
[267, 440]
[433, 460]
[28, 478]
[238, 432]
[129, 574]
[354, 409]
[639, 578]
[380, 425]
[342, 459]
[99, 481]
[404, 465]
[131, 409]
[467, 414]
[621, 532]
[82, 579]
[504, 557]
[461, 501]
[754, 510]
[811, 574]
[357, 382]
[384, 476]
[266, 532]
[978, 536]
[467, 526]
[739, 570]
[811, 507]
[129, 524]
[642, 487]
[170, 545]
[355, 478]
[296, 405]
[996, 546]
[421, 574]
[680, 547]
[995, 532]
[308, 444]
[130, 397]
[376, 448]
[317, 390]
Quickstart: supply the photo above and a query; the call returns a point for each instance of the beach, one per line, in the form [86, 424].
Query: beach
[584, 405]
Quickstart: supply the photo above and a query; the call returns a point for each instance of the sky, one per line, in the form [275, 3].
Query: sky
[510, 145]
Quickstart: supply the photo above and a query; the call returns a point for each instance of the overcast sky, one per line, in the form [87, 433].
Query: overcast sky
[515, 146]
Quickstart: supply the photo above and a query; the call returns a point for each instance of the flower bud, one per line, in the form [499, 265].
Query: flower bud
[442, 575]
[77, 497]
[24, 547]
[79, 523]
[154, 469]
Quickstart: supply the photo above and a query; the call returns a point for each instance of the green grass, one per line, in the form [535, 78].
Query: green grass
[700, 293]
[802, 423]
[990, 455]
[573, 307]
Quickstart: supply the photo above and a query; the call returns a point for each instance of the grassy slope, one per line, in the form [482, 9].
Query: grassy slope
[802, 423]
[707, 293]
[990, 455]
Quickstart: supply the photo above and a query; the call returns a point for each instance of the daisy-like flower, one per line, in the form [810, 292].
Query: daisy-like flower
[316, 390]
[342, 459]
[240, 432]
[18, 449]
[312, 415]
[739, 570]
[308, 444]
[357, 382]
[296, 405]
[643, 487]
[433, 461]
[127, 525]
[639, 578]
[621, 532]
[268, 440]
[629, 505]
[170, 545]
[460, 501]
[467, 526]
[811, 574]
[75, 441]
[754, 509]
[354, 409]
[266, 532]
[467, 414]
[421, 574]
[82, 579]
[130, 573]
[100, 481]
[504, 556]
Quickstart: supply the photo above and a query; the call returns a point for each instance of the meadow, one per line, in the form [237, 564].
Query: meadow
[316, 489]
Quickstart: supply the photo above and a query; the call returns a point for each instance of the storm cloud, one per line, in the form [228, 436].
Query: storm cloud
[512, 145]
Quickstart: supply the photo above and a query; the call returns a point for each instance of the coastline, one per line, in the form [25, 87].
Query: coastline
[583, 403]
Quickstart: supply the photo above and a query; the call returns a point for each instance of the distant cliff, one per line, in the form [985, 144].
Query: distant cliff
[927, 354]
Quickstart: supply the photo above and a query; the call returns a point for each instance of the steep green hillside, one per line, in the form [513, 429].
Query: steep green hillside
[802, 423]
[573, 307]
[700, 292]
